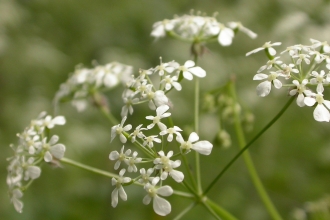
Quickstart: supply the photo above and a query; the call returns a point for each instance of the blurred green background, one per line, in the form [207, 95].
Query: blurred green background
[42, 41]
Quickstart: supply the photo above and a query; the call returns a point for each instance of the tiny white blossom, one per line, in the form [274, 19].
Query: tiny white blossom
[189, 68]
[226, 35]
[171, 132]
[164, 67]
[167, 166]
[270, 64]
[145, 176]
[267, 46]
[119, 189]
[202, 147]
[131, 161]
[128, 107]
[53, 149]
[115, 155]
[137, 133]
[240, 27]
[161, 113]
[16, 195]
[150, 140]
[321, 112]
[319, 80]
[263, 89]
[171, 81]
[119, 129]
[325, 45]
[161, 206]
[301, 90]
[287, 70]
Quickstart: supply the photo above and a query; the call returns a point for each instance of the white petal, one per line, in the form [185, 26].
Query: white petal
[48, 157]
[309, 101]
[254, 51]
[187, 75]
[293, 92]
[161, 206]
[114, 197]
[198, 71]
[277, 83]
[326, 103]
[203, 147]
[59, 120]
[57, 150]
[321, 113]
[161, 110]
[320, 88]
[165, 191]
[225, 37]
[271, 51]
[263, 89]
[122, 193]
[260, 76]
[179, 139]
[193, 137]
[146, 200]
[189, 63]
[177, 175]
[114, 155]
[300, 100]
[34, 172]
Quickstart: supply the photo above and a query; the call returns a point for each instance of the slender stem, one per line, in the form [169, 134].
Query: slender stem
[88, 168]
[249, 163]
[219, 210]
[249, 144]
[186, 210]
[196, 120]
[185, 162]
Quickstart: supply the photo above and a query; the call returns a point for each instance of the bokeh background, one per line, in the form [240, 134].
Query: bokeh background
[42, 41]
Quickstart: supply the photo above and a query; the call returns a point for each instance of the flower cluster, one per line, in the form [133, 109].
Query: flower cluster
[85, 82]
[148, 139]
[161, 163]
[35, 146]
[304, 71]
[141, 89]
[197, 28]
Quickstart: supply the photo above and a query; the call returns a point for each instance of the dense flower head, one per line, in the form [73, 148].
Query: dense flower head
[144, 89]
[199, 28]
[85, 81]
[307, 69]
[33, 148]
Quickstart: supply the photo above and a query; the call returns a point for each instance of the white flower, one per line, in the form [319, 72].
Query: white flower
[16, 194]
[128, 107]
[145, 176]
[302, 57]
[226, 35]
[115, 155]
[164, 67]
[161, 206]
[150, 140]
[167, 166]
[171, 132]
[267, 46]
[119, 188]
[119, 129]
[171, 81]
[202, 147]
[188, 69]
[263, 89]
[31, 171]
[319, 80]
[50, 122]
[156, 99]
[137, 133]
[160, 28]
[270, 64]
[131, 161]
[321, 112]
[287, 70]
[301, 90]
[161, 113]
[240, 27]
[316, 43]
[52, 149]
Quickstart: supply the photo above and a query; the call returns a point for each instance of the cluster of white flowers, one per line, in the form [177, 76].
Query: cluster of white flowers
[304, 71]
[161, 165]
[197, 28]
[141, 89]
[84, 82]
[35, 146]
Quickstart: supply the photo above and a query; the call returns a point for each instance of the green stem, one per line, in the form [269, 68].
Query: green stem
[185, 162]
[186, 210]
[249, 163]
[88, 168]
[218, 210]
[248, 145]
